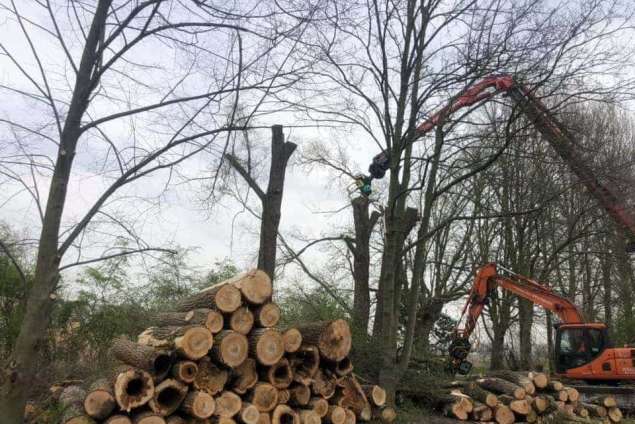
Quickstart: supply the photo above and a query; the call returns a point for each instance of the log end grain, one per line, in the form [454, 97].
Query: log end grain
[266, 345]
[264, 396]
[268, 315]
[228, 404]
[249, 414]
[231, 348]
[241, 320]
[255, 286]
[283, 414]
[194, 343]
[199, 405]
[292, 340]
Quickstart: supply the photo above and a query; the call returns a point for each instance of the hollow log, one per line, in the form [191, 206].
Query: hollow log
[147, 358]
[518, 379]
[132, 387]
[121, 419]
[223, 297]
[100, 400]
[267, 315]
[248, 414]
[351, 396]
[292, 339]
[210, 378]
[266, 345]
[333, 338]
[319, 405]
[344, 367]
[300, 394]
[241, 320]
[185, 371]
[208, 318]
[231, 348]
[168, 395]
[199, 405]
[147, 417]
[278, 375]
[305, 363]
[283, 414]
[500, 386]
[264, 396]
[474, 391]
[322, 384]
[375, 394]
[228, 404]
[244, 376]
[309, 416]
[191, 342]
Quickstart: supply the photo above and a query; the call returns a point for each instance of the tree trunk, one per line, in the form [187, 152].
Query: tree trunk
[525, 321]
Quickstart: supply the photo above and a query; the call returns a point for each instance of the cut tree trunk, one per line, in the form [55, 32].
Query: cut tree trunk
[147, 358]
[254, 286]
[521, 380]
[191, 342]
[474, 391]
[228, 404]
[231, 348]
[518, 406]
[199, 404]
[572, 394]
[100, 400]
[223, 297]
[309, 416]
[249, 414]
[147, 417]
[267, 315]
[540, 379]
[292, 339]
[278, 375]
[503, 415]
[264, 396]
[300, 394]
[241, 320]
[168, 395]
[335, 415]
[185, 371]
[244, 376]
[208, 318]
[375, 394]
[615, 414]
[323, 385]
[333, 338]
[500, 386]
[319, 405]
[210, 378]
[351, 396]
[283, 414]
[305, 363]
[385, 414]
[133, 388]
[266, 345]
[71, 400]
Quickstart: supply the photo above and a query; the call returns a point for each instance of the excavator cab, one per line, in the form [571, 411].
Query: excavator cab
[579, 344]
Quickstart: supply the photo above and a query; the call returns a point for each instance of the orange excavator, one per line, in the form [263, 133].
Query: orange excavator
[582, 350]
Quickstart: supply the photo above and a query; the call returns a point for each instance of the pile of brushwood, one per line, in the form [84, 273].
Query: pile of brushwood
[219, 358]
[506, 397]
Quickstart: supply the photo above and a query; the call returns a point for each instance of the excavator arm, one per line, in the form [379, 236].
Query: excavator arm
[553, 131]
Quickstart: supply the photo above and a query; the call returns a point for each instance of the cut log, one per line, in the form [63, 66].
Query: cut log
[283, 414]
[292, 340]
[459, 408]
[595, 410]
[366, 414]
[555, 386]
[121, 419]
[504, 415]
[518, 379]
[266, 345]
[71, 400]
[518, 406]
[223, 297]
[199, 404]
[175, 419]
[228, 404]
[300, 394]
[284, 395]
[500, 386]
[210, 378]
[322, 384]
[540, 379]
[562, 396]
[264, 418]
[481, 412]
[386, 414]
[156, 362]
[244, 376]
[335, 415]
[319, 405]
[333, 338]
[191, 342]
[132, 387]
[168, 395]
[209, 318]
[264, 396]
[147, 417]
[214, 420]
[255, 286]
[344, 367]
[249, 414]
[185, 371]
[231, 348]
[532, 416]
[572, 394]
[100, 400]
[309, 416]
[474, 391]
[305, 363]
[352, 396]
[615, 414]
[351, 418]
[375, 394]
[278, 375]
[267, 315]
[241, 320]
[540, 404]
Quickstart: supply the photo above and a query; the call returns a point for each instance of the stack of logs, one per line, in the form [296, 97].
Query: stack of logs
[507, 397]
[219, 359]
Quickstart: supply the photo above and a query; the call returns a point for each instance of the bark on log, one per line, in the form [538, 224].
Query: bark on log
[267, 315]
[375, 394]
[71, 399]
[319, 405]
[208, 318]
[555, 386]
[241, 320]
[283, 414]
[518, 379]
[132, 387]
[210, 378]
[168, 395]
[335, 415]
[333, 338]
[199, 404]
[595, 410]
[264, 396]
[352, 396]
[244, 376]
[300, 394]
[305, 364]
[228, 404]
[266, 345]
[185, 371]
[474, 391]
[147, 417]
[278, 375]
[121, 419]
[500, 386]
[147, 358]
[292, 339]
[231, 348]
[249, 414]
[100, 400]
[223, 297]
[191, 342]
